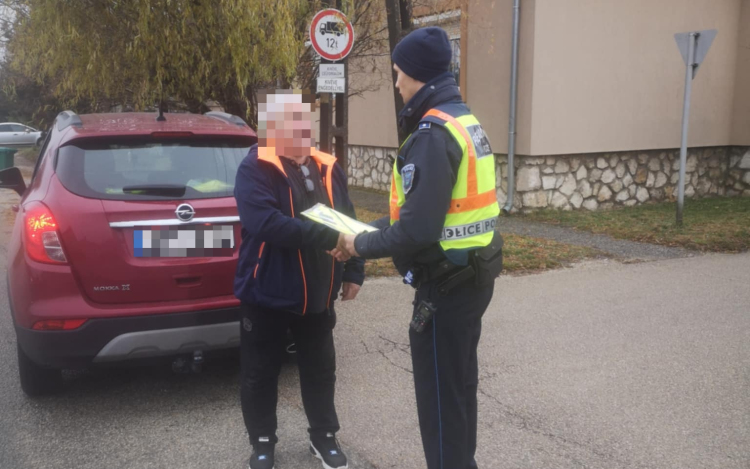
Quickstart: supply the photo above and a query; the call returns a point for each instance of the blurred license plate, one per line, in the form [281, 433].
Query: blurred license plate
[193, 241]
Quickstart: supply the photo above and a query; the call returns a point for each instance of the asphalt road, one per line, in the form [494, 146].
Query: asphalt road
[603, 365]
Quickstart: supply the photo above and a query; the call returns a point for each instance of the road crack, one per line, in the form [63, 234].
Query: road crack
[535, 426]
[382, 353]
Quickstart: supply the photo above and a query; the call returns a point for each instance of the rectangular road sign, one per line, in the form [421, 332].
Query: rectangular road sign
[331, 85]
[331, 71]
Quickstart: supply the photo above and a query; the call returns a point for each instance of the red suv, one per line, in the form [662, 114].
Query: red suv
[126, 241]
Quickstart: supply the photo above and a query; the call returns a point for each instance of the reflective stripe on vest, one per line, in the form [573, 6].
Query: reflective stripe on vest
[472, 215]
[469, 230]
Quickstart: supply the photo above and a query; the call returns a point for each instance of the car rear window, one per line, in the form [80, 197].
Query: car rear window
[137, 170]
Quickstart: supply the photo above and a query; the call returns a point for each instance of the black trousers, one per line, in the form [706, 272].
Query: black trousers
[444, 357]
[263, 343]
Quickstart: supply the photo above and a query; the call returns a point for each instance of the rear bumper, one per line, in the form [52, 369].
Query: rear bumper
[131, 338]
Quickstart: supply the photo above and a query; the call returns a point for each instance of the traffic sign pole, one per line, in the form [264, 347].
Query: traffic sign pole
[341, 130]
[693, 46]
[332, 37]
[326, 113]
[685, 121]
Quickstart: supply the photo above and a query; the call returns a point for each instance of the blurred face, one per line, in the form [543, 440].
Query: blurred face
[406, 85]
[286, 125]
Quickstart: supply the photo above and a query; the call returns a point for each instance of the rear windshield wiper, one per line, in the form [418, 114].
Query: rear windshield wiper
[166, 190]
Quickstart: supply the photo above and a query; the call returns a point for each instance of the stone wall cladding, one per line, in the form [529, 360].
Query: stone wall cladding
[738, 176]
[606, 180]
[592, 181]
[370, 167]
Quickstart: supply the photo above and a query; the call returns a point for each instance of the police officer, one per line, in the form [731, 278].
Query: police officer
[443, 211]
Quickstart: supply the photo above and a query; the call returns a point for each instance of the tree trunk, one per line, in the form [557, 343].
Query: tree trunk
[398, 13]
[406, 14]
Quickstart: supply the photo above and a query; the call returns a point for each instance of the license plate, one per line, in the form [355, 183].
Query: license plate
[193, 241]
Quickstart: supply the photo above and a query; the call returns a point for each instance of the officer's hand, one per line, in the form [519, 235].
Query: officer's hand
[349, 291]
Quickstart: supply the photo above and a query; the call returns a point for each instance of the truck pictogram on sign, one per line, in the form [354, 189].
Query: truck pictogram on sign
[331, 35]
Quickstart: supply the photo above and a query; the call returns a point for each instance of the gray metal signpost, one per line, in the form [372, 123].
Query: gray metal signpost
[693, 47]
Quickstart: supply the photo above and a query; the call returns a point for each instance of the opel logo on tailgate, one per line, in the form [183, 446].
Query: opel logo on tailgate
[185, 212]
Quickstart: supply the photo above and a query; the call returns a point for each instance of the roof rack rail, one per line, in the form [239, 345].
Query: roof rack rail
[67, 118]
[226, 117]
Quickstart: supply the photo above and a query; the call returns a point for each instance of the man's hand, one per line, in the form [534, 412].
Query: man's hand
[349, 291]
[345, 248]
[340, 252]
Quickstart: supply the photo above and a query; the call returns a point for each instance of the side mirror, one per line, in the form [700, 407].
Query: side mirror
[12, 178]
[28, 131]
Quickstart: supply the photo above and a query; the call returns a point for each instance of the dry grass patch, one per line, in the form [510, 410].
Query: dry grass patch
[522, 254]
[710, 225]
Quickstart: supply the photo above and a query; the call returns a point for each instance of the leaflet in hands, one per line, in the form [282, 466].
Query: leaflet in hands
[319, 213]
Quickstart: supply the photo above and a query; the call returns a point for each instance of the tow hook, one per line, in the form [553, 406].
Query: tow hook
[194, 364]
[197, 364]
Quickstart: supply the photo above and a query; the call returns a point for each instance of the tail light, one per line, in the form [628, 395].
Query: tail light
[42, 241]
[58, 324]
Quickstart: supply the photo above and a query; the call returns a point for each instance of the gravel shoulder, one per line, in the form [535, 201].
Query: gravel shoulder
[620, 249]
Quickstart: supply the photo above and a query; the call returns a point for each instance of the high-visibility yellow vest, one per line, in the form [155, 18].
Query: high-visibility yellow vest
[472, 216]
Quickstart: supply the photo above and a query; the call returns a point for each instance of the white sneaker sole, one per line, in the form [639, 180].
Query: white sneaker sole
[319, 456]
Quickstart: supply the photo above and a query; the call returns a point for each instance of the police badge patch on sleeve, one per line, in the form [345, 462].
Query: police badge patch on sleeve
[407, 176]
[481, 142]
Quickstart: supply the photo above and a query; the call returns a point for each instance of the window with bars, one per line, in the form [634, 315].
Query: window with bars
[450, 21]
[455, 67]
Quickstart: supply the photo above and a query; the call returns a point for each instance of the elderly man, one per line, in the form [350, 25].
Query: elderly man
[285, 278]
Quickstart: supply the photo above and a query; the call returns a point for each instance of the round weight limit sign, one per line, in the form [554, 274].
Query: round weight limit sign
[331, 35]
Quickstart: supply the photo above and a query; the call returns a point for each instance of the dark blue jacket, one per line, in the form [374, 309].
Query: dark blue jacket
[271, 272]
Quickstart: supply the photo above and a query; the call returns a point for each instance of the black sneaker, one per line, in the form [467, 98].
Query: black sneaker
[327, 449]
[262, 457]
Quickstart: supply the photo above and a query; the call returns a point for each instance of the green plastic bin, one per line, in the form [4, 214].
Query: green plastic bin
[6, 157]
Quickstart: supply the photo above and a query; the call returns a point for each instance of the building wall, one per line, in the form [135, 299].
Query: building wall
[594, 180]
[601, 82]
[372, 120]
[490, 26]
[608, 75]
[594, 75]
[741, 114]
[605, 180]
